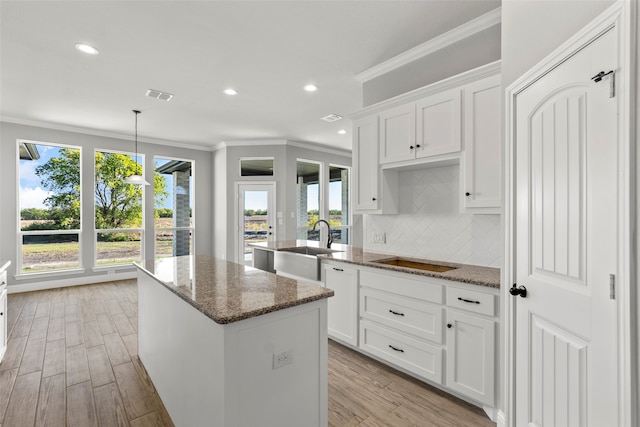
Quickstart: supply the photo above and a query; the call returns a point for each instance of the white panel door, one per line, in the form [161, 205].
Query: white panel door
[439, 124]
[365, 161]
[342, 308]
[566, 239]
[398, 134]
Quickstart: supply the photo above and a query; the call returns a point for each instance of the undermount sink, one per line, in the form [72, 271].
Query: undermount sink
[300, 261]
[407, 263]
[308, 250]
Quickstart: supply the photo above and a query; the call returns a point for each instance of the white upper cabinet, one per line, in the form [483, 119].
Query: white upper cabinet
[481, 159]
[438, 124]
[365, 159]
[398, 134]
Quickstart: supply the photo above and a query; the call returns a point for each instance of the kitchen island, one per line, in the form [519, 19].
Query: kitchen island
[229, 345]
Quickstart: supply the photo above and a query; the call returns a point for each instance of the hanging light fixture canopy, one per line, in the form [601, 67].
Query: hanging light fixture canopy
[136, 179]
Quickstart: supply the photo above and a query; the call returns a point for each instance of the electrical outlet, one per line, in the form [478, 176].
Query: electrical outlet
[380, 237]
[281, 359]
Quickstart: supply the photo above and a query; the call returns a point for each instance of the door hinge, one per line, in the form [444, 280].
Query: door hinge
[612, 286]
[612, 81]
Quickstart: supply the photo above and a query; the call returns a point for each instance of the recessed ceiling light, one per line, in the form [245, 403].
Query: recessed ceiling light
[158, 94]
[87, 49]
[311, 88]
[331, 118]
[230, 91]
[342, 131]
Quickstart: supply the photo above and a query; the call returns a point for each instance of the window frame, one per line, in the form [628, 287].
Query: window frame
[20, 233]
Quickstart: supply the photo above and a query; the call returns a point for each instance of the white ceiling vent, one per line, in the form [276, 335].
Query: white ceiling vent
[163, 96]
[331, 118]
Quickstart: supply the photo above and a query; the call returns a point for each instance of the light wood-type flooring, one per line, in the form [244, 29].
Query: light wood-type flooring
[72, 360]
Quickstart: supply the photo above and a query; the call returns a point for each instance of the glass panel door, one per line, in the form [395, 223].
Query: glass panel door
[255, 218]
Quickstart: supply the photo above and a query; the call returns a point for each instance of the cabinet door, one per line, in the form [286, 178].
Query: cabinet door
[481, 160]
[438, 124]
[471, 356]
[398, 134]
[342, 308]
[3, 323]
[365, 164]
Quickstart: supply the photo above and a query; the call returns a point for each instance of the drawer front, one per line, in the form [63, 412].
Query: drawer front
[477, 302]
[420, 289]
[414, 355]
[414, 317]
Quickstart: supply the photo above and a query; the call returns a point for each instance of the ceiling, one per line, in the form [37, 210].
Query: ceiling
[267, 50]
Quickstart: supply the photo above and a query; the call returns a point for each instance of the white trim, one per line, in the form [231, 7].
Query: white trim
[457, 34]
[452, 82]
[272, 206]
[53, 284]
[620, 15]
[95, 132]
[48, 273]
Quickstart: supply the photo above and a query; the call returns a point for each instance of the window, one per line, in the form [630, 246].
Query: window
[118, 209]
[307, 199]
[173, 193]
[49, 207]
[256, 166]
[339, 204]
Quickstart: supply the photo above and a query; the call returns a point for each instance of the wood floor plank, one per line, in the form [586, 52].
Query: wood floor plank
[92, 334]
[81, 411]
[87, 312]
[54, 358]
[99, 366]
[33, 356]
[134, 395]
[109, 406]
[131, 343]
[128, 308]
[56, 329]
[52, 402]
[71, 312]
[13, 356]
[113, 307]
[43, 310]
[21, 410]
[106, 324]
[22, 327]
[122, 324]
[151, 420]
[73, 333]
[57, 310]
[7, 380]
[116, 350]
[39, 328]
[77, 365]
[30, 307]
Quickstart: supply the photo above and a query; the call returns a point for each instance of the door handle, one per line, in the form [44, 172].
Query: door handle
[515, 291]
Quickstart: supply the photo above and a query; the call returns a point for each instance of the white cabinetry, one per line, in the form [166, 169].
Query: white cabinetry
[481, 159]
[342, 308]
[438, 124]
[398, 134]
[471, 343]
[374, 191]
[3, 310]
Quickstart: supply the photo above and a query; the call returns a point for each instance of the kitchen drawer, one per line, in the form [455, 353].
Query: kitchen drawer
[409, 315]
[414, 355]
[466, 299]
[400, 284]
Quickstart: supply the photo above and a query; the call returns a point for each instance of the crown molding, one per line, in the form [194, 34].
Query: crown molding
[95, 132]
[285, 142]
[457, 34]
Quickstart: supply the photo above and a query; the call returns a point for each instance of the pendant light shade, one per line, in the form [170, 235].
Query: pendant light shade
[136, 179]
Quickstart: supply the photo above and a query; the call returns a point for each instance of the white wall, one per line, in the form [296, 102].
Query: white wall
[10, 133]
[430, 225]
[531, 29]
[227, 175]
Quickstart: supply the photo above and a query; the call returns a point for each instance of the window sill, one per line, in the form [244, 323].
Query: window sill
[118, 267]
[28, 276]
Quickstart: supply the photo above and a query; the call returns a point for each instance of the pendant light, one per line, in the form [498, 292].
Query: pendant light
[136, 179]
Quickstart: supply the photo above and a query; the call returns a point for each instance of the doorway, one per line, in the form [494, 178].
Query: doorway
[256, 206]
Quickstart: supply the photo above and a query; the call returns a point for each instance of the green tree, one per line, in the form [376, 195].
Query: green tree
[118, 205]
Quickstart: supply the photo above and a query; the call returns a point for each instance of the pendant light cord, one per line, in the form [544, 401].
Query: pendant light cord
[136, 112]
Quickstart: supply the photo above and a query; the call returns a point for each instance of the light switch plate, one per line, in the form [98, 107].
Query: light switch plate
[379, 237]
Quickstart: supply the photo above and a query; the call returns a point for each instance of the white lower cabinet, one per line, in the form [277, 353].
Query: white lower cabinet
[3, 323]
[342, 307]
[438, 330]
[471, 356]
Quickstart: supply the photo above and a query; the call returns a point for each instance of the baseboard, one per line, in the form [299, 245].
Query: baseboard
[502, 419]
[76, 281]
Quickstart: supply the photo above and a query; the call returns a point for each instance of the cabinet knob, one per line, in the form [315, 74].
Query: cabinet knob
[449, 325]
[467, 194]
[417, 145]
[374, 199]
[411, 147]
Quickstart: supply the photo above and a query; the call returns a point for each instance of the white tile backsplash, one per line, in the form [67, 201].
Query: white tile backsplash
[430, 224]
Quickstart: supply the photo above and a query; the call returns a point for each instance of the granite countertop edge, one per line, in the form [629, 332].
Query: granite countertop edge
[224, 320]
